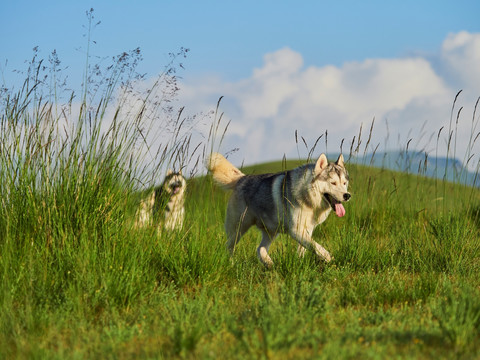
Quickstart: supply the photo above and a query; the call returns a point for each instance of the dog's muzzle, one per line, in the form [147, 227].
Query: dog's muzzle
[337, 204]
[175, 186]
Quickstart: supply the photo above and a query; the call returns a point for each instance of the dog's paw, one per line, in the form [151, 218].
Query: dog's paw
[328, 258]
[268, 264]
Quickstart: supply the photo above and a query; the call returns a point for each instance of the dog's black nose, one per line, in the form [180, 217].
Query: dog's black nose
[176, 184]
[346, 197]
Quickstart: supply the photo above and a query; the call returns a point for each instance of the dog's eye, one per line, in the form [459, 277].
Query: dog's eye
[334, 183]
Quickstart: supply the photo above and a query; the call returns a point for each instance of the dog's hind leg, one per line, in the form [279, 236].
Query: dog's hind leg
[262, 250]
[236, 224]
[234, 233]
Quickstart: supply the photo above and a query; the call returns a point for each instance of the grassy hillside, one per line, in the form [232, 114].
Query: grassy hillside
[404, 282]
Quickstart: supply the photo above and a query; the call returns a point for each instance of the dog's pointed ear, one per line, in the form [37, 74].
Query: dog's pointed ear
[340, 161]
[169, 172]
[321, 164]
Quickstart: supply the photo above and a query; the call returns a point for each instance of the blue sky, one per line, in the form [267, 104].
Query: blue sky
[421, 52]
[230, 37]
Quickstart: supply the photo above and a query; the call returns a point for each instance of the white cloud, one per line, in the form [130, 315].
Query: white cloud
[461, 57]
[283, 96]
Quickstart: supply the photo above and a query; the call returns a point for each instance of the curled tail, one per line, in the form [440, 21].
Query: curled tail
[223, 172]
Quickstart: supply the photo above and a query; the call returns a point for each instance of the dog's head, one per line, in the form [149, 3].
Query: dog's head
[330, 180]
[174, 183]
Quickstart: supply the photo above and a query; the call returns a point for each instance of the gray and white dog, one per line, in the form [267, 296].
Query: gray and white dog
[164, 205]
[292, 202]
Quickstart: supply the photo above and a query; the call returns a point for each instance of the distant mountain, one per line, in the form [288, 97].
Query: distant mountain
[419, 163]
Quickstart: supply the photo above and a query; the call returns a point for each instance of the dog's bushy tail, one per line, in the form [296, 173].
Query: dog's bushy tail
[223, 172]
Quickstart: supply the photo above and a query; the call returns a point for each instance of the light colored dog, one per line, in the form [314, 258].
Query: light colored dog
[164, 205]
[292, 202]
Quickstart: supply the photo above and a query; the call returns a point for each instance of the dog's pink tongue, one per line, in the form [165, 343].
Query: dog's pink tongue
[339, 210]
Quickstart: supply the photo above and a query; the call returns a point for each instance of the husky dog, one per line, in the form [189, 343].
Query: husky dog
[165, 204]
[292, 202]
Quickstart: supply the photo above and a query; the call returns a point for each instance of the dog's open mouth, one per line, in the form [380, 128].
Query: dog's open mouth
[336, 205]
[175, 188]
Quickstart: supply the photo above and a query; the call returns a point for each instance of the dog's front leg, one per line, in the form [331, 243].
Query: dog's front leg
[306, 242]
[301, 251]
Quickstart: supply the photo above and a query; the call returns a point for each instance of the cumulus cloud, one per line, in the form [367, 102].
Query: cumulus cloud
[461, 59]
[409, 97]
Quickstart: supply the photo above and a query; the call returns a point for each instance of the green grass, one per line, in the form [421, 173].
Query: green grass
[78, 281]
[404, 282]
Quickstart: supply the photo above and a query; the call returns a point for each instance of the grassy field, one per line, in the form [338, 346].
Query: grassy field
[78, 281]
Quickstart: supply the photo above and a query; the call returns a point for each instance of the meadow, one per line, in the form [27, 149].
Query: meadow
[79, 281]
